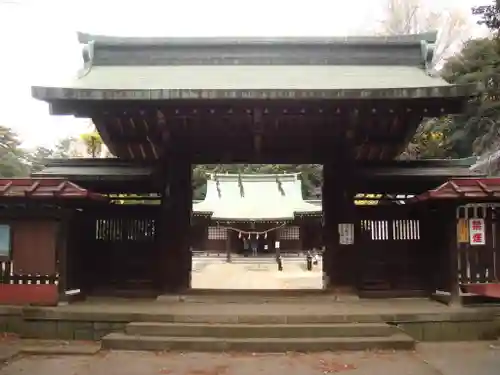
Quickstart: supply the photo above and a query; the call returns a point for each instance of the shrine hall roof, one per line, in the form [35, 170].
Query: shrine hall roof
[117, 68]
[254, 197]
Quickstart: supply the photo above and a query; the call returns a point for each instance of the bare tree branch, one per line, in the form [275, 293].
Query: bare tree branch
[412, 17]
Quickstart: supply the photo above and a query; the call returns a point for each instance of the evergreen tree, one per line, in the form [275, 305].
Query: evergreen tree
[477, 130]
[13, 159]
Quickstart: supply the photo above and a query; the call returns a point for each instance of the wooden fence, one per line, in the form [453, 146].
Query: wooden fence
[392, 255]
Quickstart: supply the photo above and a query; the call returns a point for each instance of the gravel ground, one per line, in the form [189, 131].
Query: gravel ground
[255, 275]
[429, 359]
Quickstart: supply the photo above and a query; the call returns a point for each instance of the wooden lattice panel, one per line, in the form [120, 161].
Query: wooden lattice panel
[289, 233]
[217, 233]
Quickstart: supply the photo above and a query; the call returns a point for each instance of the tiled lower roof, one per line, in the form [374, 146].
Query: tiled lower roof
[44, 188]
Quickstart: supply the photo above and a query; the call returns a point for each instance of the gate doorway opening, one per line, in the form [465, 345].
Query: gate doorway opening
[256, 231]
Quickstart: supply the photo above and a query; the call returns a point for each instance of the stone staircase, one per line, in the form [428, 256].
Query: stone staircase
[198, 333]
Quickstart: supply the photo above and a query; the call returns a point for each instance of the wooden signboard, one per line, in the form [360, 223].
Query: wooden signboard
[462, 231]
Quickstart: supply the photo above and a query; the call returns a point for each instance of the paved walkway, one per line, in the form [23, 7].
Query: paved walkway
[255, 274]
[429, 359]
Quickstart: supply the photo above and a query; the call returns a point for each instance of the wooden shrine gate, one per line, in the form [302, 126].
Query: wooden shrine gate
[392, 254]
[115, 248]
[478, 236]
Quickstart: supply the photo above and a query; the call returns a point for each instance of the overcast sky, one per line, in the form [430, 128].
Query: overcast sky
[38, 39]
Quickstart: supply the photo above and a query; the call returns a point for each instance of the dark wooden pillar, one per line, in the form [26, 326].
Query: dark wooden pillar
[328, 223]
[439, 247]
[228, 246]
[432, 245]
[174, 273]
[449, 215]
[441, 243]
[162, 241]
[339, 260]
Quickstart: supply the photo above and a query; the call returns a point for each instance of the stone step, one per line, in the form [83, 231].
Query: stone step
[271, 296]
[256, 299]
[122, 341]
[259, 330]
[256, 292]
[225, 317]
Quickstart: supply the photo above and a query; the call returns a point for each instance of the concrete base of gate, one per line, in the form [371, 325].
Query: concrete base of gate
[337, 325]
[466, 299]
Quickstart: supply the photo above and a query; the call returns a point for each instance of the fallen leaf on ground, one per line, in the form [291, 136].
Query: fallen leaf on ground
[217, 370]
[8, 336]
[330, 367]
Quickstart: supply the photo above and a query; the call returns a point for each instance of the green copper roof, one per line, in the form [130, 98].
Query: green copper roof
[257, 197]
[259, 82]
[254, 68]
[161, 82]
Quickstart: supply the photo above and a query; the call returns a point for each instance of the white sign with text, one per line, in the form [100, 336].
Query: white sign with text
[346, 233]
[477, 232]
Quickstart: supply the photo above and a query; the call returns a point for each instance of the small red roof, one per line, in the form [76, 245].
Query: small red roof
[464, 188]
[41, 188]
